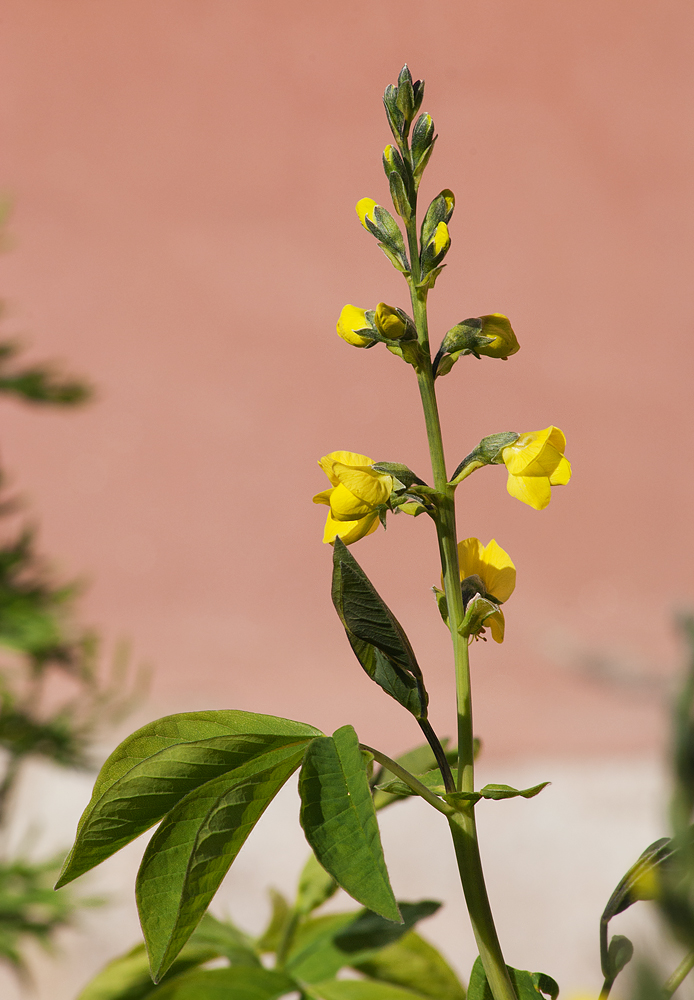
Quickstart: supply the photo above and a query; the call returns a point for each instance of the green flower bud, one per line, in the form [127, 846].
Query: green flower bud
[422, 136]
[381, 224]
[392, 161]
[440, 210]
[490, 335]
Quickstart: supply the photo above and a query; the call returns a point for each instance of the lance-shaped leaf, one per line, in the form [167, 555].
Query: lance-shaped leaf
[160, 764]
[224, 984]
[376, 636]
[192, 850]
[414, 964]
[339, 820]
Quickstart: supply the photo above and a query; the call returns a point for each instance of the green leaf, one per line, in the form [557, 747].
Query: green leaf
[433, 781]
[639, 883]
[316, 886]
[360, 989]
[377, 638]
[523, 982]
[325, 945]
[270, 939]
[313, 955]
[369, 930]
[127, 977]
[236, 983]
[339, 820]
[192, 850]
[416, 965]
[507, 792]
[545, 984]
[157, 766]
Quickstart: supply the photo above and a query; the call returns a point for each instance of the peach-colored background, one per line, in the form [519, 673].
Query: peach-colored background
[184, 175]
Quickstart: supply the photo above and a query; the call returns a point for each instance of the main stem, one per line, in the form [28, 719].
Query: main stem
[462, 824]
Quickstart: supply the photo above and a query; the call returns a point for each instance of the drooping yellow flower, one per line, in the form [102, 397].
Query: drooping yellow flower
[488, 571]
[503, 340]
[351, 324]
[356, 495]
[535, 462]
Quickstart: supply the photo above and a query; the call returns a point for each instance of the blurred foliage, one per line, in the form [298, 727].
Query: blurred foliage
[664, 873]
[297, 951]
[52, 698]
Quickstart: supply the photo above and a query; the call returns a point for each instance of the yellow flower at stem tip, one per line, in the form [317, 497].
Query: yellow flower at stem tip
[355, 497]
[350, 325]
[365, 210]
[488, 571]
[535, 462]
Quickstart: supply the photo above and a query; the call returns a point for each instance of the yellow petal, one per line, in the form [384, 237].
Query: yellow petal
[497, 626]
[533, 490]
[442, 239]
[366, 484]
[470, 557]
[499, 576]
[344, 506]
[365, 210]
[557, 440]
[346, 458]
[562, 473]
[323, 497]
[349, 531]
[388, 322]
[353, 319]
[525, 450]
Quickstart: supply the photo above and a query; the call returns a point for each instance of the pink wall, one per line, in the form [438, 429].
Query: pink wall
[184, 176]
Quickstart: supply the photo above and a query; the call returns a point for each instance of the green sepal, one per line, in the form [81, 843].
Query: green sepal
[478, 610]
[403, 476]
[393, 113]
[422, 140]
[377, 638]
[387, 231]
[339, 820]
[440, 210]
[488, 452]
[401, 201]
[527, 986]
[429, 279]
[398, 260]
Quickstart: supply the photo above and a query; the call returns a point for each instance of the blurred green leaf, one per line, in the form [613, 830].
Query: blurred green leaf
[270, 939]
[236, 983]
[360, 989]
[523, 983]
[414, 964]
[316, 886]
[339, 820]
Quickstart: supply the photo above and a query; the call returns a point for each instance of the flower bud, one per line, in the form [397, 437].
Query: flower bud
[490, 335]
[354, 327]
[365, 208]
[393, 323]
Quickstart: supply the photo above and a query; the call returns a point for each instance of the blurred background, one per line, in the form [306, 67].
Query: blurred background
[183, 177]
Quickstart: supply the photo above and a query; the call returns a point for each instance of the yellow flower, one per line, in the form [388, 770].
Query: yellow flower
[365, 210]
[356, 495]
[389, 322]
[351, 324]
[503, 339]
[487, 571]
[535, 462]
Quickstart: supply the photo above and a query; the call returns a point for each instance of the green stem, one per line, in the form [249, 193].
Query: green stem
[409, 779]
[679, 975]
[463, 827]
